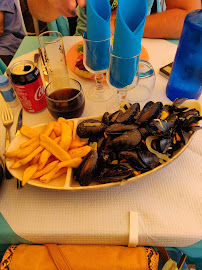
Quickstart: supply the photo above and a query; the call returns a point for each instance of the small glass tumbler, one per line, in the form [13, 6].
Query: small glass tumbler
[52, 47]
[65, 98]
[146, 83]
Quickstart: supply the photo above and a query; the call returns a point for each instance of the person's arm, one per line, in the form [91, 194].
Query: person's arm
[49, 10]
[1, 22]
[168, 24]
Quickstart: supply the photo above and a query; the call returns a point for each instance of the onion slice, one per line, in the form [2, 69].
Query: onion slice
[162, 157]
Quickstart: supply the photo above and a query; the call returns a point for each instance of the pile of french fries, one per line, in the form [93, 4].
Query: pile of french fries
[50, 153]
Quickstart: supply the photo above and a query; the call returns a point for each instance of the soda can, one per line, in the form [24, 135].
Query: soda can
[27, 82]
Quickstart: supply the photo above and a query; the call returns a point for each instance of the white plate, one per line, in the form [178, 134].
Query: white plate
[66, 182]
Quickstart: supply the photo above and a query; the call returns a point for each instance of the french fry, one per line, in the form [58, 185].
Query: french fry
[29, 132]
[54, 148]
[35, 159]
[45, 155]
[12, 154]
[72, 163]
[60, 172]
[62, 119]
[80, 152]
[76, 137]
[28, 173]
[71, 124]
[28, 150]
[53, 135]
[16, 164]
[77, 144]
[44, 158]
[31, 156]
[57, 128]
[49, 167]
[48, 129]
[28, 142]
[49, 176]
[66, 136]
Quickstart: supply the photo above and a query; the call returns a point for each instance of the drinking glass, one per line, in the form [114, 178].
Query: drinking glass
[96, 60]
[146, 83]
[52, 47]
[121, 80]
[65, 98]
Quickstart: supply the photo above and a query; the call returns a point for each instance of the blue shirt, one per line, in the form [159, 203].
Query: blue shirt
[13, 30]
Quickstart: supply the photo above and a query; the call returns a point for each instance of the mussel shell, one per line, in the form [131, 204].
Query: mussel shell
[115, 173]
[127, 141]
[113, 116]
[149, 159]
[188, 113]
[129, 113]
[106, 118]
[178, 101]
[149, 113]
[84, 131]
[118, 129]
[165, 125]
[85, 173]
[133, 159]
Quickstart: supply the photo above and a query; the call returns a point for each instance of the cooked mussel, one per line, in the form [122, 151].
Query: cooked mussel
[118, 129]
[150, 112]
[129, 140]
[115, 173]
[89, 127]
[86, 171]
[129, 114]
[140, 160]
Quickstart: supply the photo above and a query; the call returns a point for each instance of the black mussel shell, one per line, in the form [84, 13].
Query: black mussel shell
[85, 173]
[118, 129]
[106, 118]
[133, 159]
[85, 131]
[129, 140]
[115, 173]
[129, 113]
[151, 112]
[149, 159]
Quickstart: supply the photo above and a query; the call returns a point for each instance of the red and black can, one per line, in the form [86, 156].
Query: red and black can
[26, 80]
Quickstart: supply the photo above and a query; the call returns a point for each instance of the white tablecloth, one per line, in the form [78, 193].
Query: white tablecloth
[168, 202]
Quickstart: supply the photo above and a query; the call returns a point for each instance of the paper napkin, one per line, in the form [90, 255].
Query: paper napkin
[98, 34]
[98, 19]
[129, 27]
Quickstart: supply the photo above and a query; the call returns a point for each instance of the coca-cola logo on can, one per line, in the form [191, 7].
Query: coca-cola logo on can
[39, 93]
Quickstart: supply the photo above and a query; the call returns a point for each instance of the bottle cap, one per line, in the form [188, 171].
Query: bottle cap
[3, 80]
[194, 19]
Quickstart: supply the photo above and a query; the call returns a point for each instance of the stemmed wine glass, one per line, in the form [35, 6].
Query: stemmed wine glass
[96, 60]
[122, 76]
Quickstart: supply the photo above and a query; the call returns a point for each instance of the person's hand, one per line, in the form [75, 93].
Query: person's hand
[1, 22]
[66, 8]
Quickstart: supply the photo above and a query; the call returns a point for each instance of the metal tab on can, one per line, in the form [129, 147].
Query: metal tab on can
[22, 67]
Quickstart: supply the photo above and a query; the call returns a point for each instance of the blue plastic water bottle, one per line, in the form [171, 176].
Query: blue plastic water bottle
[186, 76]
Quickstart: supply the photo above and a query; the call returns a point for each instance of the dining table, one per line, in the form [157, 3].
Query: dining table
[163, 208]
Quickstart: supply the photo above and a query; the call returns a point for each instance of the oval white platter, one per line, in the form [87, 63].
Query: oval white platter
[66, 182]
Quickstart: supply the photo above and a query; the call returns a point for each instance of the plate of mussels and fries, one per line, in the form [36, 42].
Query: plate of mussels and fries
[103, 151]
